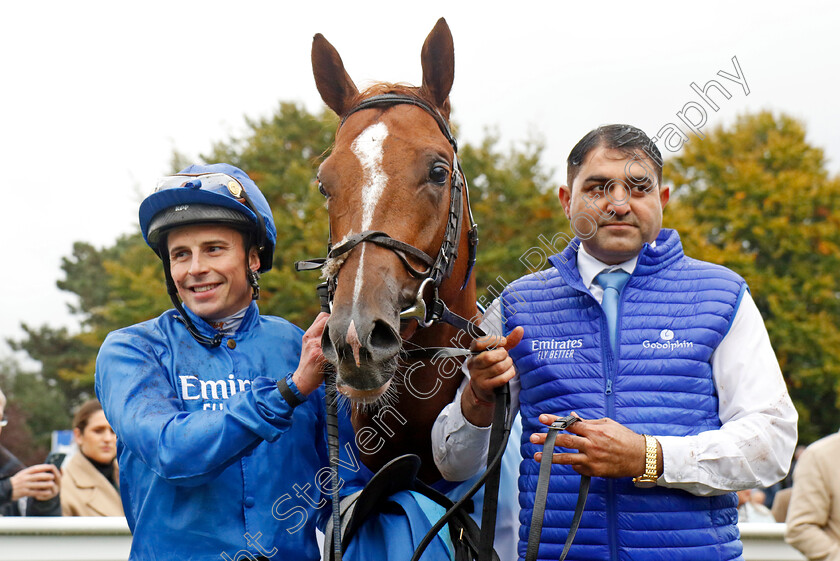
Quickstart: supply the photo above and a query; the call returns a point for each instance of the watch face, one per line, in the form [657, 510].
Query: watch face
[644, 483]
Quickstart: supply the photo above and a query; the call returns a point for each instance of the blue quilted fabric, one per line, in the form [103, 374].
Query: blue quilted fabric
[673, 313]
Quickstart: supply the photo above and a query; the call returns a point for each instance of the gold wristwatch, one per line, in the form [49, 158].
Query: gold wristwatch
[649, 477]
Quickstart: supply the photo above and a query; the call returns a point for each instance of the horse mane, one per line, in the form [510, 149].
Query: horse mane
[401, 88]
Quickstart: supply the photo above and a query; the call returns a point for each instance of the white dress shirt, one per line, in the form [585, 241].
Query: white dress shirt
[752, 448]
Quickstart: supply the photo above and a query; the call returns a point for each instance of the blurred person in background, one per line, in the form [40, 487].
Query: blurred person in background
[91, 477]
[751, 507]
[781, 503]
[39, 484]
[813, 517]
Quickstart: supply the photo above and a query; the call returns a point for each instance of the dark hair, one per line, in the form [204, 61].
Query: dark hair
[625, 138]
[84, 413]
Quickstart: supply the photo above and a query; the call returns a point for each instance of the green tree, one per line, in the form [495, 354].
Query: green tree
[510, 193]
[516, 207]
[115, 286]
[123, 284]
[281, 154]
[756, 197]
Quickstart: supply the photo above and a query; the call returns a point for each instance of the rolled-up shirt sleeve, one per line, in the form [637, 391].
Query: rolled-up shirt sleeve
[459, 447]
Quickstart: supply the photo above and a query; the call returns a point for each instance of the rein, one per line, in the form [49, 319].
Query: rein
[541, 495]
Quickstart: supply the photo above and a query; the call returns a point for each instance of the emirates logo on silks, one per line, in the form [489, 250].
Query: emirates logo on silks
[666, 342]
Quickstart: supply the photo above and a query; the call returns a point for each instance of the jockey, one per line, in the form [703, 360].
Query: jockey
[218, 410]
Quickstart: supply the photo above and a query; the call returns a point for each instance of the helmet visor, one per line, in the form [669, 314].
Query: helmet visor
[221, 183]
[218, 183]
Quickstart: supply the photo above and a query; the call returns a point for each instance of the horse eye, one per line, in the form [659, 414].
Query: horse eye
[321, 189]
[439, 175]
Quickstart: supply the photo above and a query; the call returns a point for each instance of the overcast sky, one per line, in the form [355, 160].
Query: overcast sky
[96, 95]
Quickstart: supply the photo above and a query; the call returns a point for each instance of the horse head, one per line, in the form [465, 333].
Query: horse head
[388, 183]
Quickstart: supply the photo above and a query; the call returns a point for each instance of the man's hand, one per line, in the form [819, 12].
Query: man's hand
[604, 447]
[41, 482]
[310, 373]
[490, 369]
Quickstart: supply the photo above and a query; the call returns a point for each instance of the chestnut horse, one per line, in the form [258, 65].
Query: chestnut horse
[390, 180]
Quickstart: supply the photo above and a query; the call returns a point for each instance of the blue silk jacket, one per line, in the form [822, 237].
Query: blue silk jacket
[213, 461]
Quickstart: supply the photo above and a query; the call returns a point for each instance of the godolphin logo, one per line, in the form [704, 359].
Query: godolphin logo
[666, 342]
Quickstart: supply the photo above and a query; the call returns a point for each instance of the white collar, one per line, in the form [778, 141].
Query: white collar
[589, 267]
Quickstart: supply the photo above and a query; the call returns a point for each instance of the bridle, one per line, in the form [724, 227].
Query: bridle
[427, 309]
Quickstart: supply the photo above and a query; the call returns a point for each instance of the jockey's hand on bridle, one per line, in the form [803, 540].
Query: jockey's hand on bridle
[310, 373]
[604, 447]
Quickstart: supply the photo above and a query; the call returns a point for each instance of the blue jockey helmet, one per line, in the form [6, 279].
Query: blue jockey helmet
[209, 194]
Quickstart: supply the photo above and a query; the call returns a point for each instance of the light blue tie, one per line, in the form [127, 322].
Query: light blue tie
[612, 283]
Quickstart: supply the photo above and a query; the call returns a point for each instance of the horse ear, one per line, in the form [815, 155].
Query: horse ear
[438, 59]
[334, 84]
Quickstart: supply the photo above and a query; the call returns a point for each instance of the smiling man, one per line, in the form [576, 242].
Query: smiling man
[206, 265]
[665, 358]
[209, 400]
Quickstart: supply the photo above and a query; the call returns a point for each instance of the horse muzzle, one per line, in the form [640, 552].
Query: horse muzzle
[364, 352]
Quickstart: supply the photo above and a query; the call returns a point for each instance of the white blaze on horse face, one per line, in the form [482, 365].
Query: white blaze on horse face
[353, 341]
[368, 149]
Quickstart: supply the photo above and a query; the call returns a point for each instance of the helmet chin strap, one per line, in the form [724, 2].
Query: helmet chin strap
[250, 274]
[254, 280]
[213, 342]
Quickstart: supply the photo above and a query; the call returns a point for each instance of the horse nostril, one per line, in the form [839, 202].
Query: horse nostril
[327, 346]
[383, 339]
